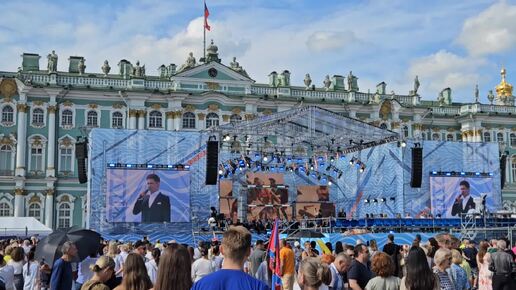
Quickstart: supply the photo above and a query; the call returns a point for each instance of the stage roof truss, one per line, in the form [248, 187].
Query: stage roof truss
[311, 127]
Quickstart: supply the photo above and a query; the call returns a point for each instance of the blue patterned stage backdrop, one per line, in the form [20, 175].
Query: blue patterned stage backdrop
[452, 196]
[130, 197]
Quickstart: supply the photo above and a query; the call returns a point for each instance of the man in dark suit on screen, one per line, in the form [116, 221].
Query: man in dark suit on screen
[464, 202]
[152, 203]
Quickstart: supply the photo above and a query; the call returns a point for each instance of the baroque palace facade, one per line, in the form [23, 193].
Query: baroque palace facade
[44, 110]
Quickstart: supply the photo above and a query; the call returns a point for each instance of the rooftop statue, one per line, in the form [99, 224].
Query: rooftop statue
[490, 97]
[190, 62]
[416, 85]
[307, 81]
[237, 67]
[476, 94]
[81, 66]
[52, 62]
[105, 68]
[327, 82]
[352, 82]
[139, 71]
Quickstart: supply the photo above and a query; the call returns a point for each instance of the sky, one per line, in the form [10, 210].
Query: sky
[456, 44]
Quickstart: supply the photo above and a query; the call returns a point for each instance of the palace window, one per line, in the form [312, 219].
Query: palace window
[36, 159]
[67, 118]
[117, 120]
[92, 119]
[499, 137]
[5, 208]
[65, 162]
[436, 137]
[449, 137]
[212, 120]
[155, 119]
[35, 211]
[513, 140]
[405, 131]
[188, 120]
[487, 137]
[38, 117]
[6, 160]
[235, 118]
[64, 215]
[7, 115]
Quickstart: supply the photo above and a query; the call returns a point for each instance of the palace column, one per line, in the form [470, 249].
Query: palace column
[49, 208]
[170, 115]
[141, 119]
[21, 146]
[177, 120]
[18, 202]
[201, 124]
[132, 119]
[51, 171]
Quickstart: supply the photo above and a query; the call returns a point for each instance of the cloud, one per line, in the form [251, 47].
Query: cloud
[491, 31]
[320, 41]
[446, 69]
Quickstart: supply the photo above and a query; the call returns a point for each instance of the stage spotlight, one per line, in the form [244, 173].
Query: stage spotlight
[221, 172]
[375, 200]
[332, 159]
[448, 174]
[491, 174]
[311, 167]
[463, 173]
[477, 173]
[362, 168]
[129, 165]
[382, 199]
[329, 182]
[265, 158]
[434, 172]
[366, 200]
[320, 159]
[111, 164]
[352, 161]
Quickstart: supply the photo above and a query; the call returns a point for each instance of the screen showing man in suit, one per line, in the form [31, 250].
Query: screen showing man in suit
[148, 196]
[452, 196]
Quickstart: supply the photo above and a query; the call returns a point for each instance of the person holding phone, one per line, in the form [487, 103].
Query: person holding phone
[152, 203]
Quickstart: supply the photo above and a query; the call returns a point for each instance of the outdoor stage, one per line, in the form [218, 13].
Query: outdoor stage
[364, 169]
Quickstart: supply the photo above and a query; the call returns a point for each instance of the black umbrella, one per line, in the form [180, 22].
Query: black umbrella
[305, 233]
[49, 248]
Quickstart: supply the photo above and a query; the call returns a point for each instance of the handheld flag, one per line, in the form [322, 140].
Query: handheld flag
[323, 247]
[206, 14]
[273, 251]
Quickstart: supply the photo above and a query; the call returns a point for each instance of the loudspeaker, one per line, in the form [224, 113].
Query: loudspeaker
[212, 162]
[503, 163]
[81, 153]
[417, 167]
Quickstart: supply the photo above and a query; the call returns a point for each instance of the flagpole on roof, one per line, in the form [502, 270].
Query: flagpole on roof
[204, 29]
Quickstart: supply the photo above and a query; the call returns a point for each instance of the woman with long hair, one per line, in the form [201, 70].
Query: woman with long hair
[419, 275]
[17, 261]
[152, 265]
[485, 277]
[338, 247]
[30, 272]
[383, 267]
[135, 274]
[174, 271]
[373, 248]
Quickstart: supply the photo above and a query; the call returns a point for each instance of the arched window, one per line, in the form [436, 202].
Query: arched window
[155, 119]
[5, 208]
[449, 137]
[38, 117]
[499, 137]
[405, 131]
[6, 160]
[487, 137]
[35, 211]
[66, 155]
[67, 118]
[383, 126]
[92, 119]
[7, 115]
[188, 120]
[235, 118]
[513, 140]
[212, 120]
[117, 120]
[37, 154]
[64, 215]
[436, 137]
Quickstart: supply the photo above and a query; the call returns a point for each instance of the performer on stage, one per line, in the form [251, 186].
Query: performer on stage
[464, 202]
[152, 203]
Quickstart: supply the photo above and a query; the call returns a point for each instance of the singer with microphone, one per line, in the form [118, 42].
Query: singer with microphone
[152, 203]
[464, 202]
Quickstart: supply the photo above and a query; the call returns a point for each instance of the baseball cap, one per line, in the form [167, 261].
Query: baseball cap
[297, 244]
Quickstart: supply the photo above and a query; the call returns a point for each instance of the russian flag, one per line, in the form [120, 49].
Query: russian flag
[206, 14]
[273, 251]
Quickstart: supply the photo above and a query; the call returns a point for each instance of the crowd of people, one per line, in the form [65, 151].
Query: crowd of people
[444, 262]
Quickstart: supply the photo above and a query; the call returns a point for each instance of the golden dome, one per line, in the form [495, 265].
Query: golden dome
[504, 89]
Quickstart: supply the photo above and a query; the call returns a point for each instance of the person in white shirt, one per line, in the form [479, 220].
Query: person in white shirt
[216, 259]
[120, 260]
[152, 265]
[337, 268]
[84, 272]
[30, 272]
[197, 251]
[202, 266]
[17, 261]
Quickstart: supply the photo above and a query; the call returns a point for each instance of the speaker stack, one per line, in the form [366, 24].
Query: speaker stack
[81, 154]
[212, 162]
[417, 167]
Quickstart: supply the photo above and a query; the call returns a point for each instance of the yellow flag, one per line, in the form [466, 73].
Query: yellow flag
[323, 247]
